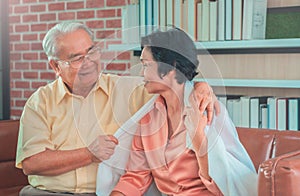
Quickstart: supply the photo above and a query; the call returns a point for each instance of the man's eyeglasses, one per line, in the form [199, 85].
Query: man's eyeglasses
[76, 62]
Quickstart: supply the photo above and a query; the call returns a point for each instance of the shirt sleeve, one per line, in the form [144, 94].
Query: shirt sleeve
[34, 134]
[137, 178]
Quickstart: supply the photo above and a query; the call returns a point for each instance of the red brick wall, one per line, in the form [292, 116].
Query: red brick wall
[29, 21]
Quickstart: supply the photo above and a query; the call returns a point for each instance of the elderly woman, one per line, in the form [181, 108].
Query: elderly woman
[173, 144]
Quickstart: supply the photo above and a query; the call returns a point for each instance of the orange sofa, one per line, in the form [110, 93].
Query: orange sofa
[275, 154]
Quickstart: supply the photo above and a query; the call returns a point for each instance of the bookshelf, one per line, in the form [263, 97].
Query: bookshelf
[291, 45]
[255, 67]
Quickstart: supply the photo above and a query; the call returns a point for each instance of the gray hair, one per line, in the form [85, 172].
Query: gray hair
[50, 44]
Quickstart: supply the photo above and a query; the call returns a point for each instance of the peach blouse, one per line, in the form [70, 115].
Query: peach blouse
[165, 159]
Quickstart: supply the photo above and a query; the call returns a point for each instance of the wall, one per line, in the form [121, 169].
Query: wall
[29, 21]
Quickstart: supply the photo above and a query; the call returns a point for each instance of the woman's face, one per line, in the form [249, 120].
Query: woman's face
[153, 82]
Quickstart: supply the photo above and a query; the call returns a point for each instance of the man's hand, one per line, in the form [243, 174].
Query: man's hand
[103, 147]
[207, 100]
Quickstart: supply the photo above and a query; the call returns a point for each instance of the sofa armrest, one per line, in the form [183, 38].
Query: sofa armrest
[280, 175]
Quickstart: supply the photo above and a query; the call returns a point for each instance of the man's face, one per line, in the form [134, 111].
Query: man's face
[79, 72]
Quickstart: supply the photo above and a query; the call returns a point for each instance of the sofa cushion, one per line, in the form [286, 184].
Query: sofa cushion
[285, 142]
[258, 143]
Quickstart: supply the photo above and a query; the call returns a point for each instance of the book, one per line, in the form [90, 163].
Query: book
[245, 107]
[191, 26]
[155, 14]
[255, 114]
[247, 19]
[228, 20]
[199, 21]
[237, 17]
[213, 20]
[294, 114]
[221, 20]
[259, 19]
[162, 13]
[281, 113]
[205, 20]
[170, 11]
[272, 112]
[142, 8]
[263, 109]
[177, 13]
[130, 24]
[254, 19]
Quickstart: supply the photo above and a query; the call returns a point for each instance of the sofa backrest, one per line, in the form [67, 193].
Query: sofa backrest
[263, 144]
[11, 178]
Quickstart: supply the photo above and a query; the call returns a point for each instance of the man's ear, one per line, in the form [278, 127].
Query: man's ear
[54, 65]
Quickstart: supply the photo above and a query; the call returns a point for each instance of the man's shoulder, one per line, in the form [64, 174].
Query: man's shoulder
[44, 91]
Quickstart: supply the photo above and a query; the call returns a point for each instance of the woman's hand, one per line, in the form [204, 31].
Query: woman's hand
[207, 100]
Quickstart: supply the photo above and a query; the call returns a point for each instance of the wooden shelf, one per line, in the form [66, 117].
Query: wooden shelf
[252, 83]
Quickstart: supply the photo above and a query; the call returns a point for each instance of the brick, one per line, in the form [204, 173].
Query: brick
[14, 2]
[106, 13]
[114, 23]
[21, 46]
[15, 93]
[36, 46]
[15, 112]
[108, 34]
[21, 9]
[21, 66]
[14, 19]
[116, 3]
[30, 56]
[14, 38]
[38, 66]
[47, 75]
[43, 56]
[56, 6]
[20, 103]
[66, 16]
[75, 5]
[119, 12]
[28, 93]
[36, 85]
[39, 27]
[95, 24]
[45, 1]
[30, 75]
[108, 55]
[29, 1]
[15, 75]
[94, 3]
[22, 28]
[86, 14]
[38, 8]
[21, 84]
[48, 17]
[14, 56]
[116, 66]
[29, 37]
[29, 18]
[124, 56]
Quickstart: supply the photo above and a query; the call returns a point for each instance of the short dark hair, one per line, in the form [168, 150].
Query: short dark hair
[173, 49]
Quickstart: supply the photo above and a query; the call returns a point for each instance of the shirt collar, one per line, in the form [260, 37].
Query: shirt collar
[63, 91]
